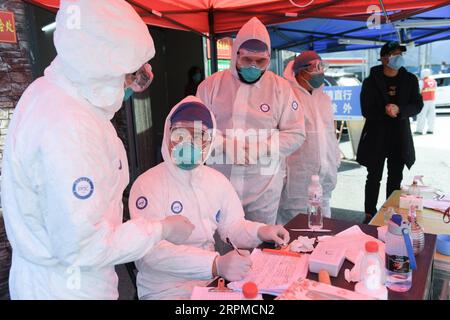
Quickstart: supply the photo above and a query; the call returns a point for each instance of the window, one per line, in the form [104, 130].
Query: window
[443, 82]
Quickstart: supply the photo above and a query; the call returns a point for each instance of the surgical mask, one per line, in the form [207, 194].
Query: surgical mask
[187, 155]
[250, 74]
[396, 62]
[197, 77]
[316, 80]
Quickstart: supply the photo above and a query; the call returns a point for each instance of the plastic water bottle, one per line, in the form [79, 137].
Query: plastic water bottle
[400, 259]
[417, 232]
[315, 218]
[414, 189]
[372, 273]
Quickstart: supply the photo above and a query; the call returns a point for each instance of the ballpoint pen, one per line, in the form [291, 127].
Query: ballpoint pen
[234, 247]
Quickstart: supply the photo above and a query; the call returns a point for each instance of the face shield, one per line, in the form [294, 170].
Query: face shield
[316, 69]
[251, 65]
[138, 81]
[189, 143]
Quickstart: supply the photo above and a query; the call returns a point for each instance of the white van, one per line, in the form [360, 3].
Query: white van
[442, 92]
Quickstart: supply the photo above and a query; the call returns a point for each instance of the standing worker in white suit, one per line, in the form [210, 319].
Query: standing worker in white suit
[65, 169]
[250, 98]
[319, 154]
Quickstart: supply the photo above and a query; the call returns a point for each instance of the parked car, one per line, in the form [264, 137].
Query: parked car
[442, 92]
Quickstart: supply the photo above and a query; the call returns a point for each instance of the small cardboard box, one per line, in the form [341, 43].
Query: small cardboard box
[328, 258]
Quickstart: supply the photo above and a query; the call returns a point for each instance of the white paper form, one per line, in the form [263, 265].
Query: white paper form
[273, 273]
[438, 205]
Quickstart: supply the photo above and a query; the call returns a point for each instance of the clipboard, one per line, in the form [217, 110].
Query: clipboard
[221, 287]
[220, 292]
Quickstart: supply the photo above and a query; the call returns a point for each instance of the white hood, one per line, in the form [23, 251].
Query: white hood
[177, 172]
[253, 29]
[98, 42]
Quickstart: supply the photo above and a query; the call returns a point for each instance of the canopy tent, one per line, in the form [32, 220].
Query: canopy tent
[230, 15]
[214, 17]
[327, 35]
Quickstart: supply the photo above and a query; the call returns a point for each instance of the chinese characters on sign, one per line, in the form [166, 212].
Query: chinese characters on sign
[7, 27]
[345, 102]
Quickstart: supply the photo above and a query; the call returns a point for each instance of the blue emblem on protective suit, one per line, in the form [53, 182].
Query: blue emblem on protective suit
[265, 107]
[141, 203]
[83, 188]
[295, 105]
[177, 207]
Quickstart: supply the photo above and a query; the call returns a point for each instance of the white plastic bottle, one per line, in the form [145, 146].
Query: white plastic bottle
[315, 193]
[417, 232]
[414, 189]
[399, 255]
[372, 273]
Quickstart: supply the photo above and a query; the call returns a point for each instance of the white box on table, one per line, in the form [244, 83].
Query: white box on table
[406, 201]
[326, 257]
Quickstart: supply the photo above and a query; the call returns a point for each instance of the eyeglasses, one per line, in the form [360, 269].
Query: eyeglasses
[199, 137]
[446, 216]
[315, 66]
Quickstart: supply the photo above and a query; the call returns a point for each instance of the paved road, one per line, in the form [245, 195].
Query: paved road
[433, 161]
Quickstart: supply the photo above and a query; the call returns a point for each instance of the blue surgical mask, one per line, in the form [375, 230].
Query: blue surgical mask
[187, 155]
[316, 80]
[250, 74]
[128, 93]
[396, 62]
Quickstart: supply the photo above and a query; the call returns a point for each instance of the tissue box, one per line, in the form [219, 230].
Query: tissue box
[328, 258]
[406, 201]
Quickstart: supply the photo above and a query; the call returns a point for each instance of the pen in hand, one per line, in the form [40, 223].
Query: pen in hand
[234, 247]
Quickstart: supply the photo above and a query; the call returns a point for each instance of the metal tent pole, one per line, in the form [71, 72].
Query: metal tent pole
[212, 42]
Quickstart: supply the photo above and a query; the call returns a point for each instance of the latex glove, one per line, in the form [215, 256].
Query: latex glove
[276, 233]
[177, 229]
[233, 266]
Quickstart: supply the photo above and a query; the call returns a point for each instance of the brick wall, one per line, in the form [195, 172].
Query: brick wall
[15, 67]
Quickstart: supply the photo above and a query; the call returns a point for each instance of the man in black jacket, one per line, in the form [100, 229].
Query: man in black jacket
[389, 96]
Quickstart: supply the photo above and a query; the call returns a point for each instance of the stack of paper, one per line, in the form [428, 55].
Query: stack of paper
[311, 290]
[439, 205]
[353, 240]
[273, 273]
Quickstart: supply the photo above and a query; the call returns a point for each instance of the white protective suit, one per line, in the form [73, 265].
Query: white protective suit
[318, 155]
[208, 200]
[267, 104]
[65, 169]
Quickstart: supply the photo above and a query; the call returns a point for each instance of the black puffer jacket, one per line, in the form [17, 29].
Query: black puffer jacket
[380, 131]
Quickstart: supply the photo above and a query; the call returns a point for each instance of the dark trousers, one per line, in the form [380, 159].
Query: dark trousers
[395, 166]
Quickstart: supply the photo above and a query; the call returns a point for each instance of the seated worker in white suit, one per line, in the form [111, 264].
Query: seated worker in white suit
[182, 185]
